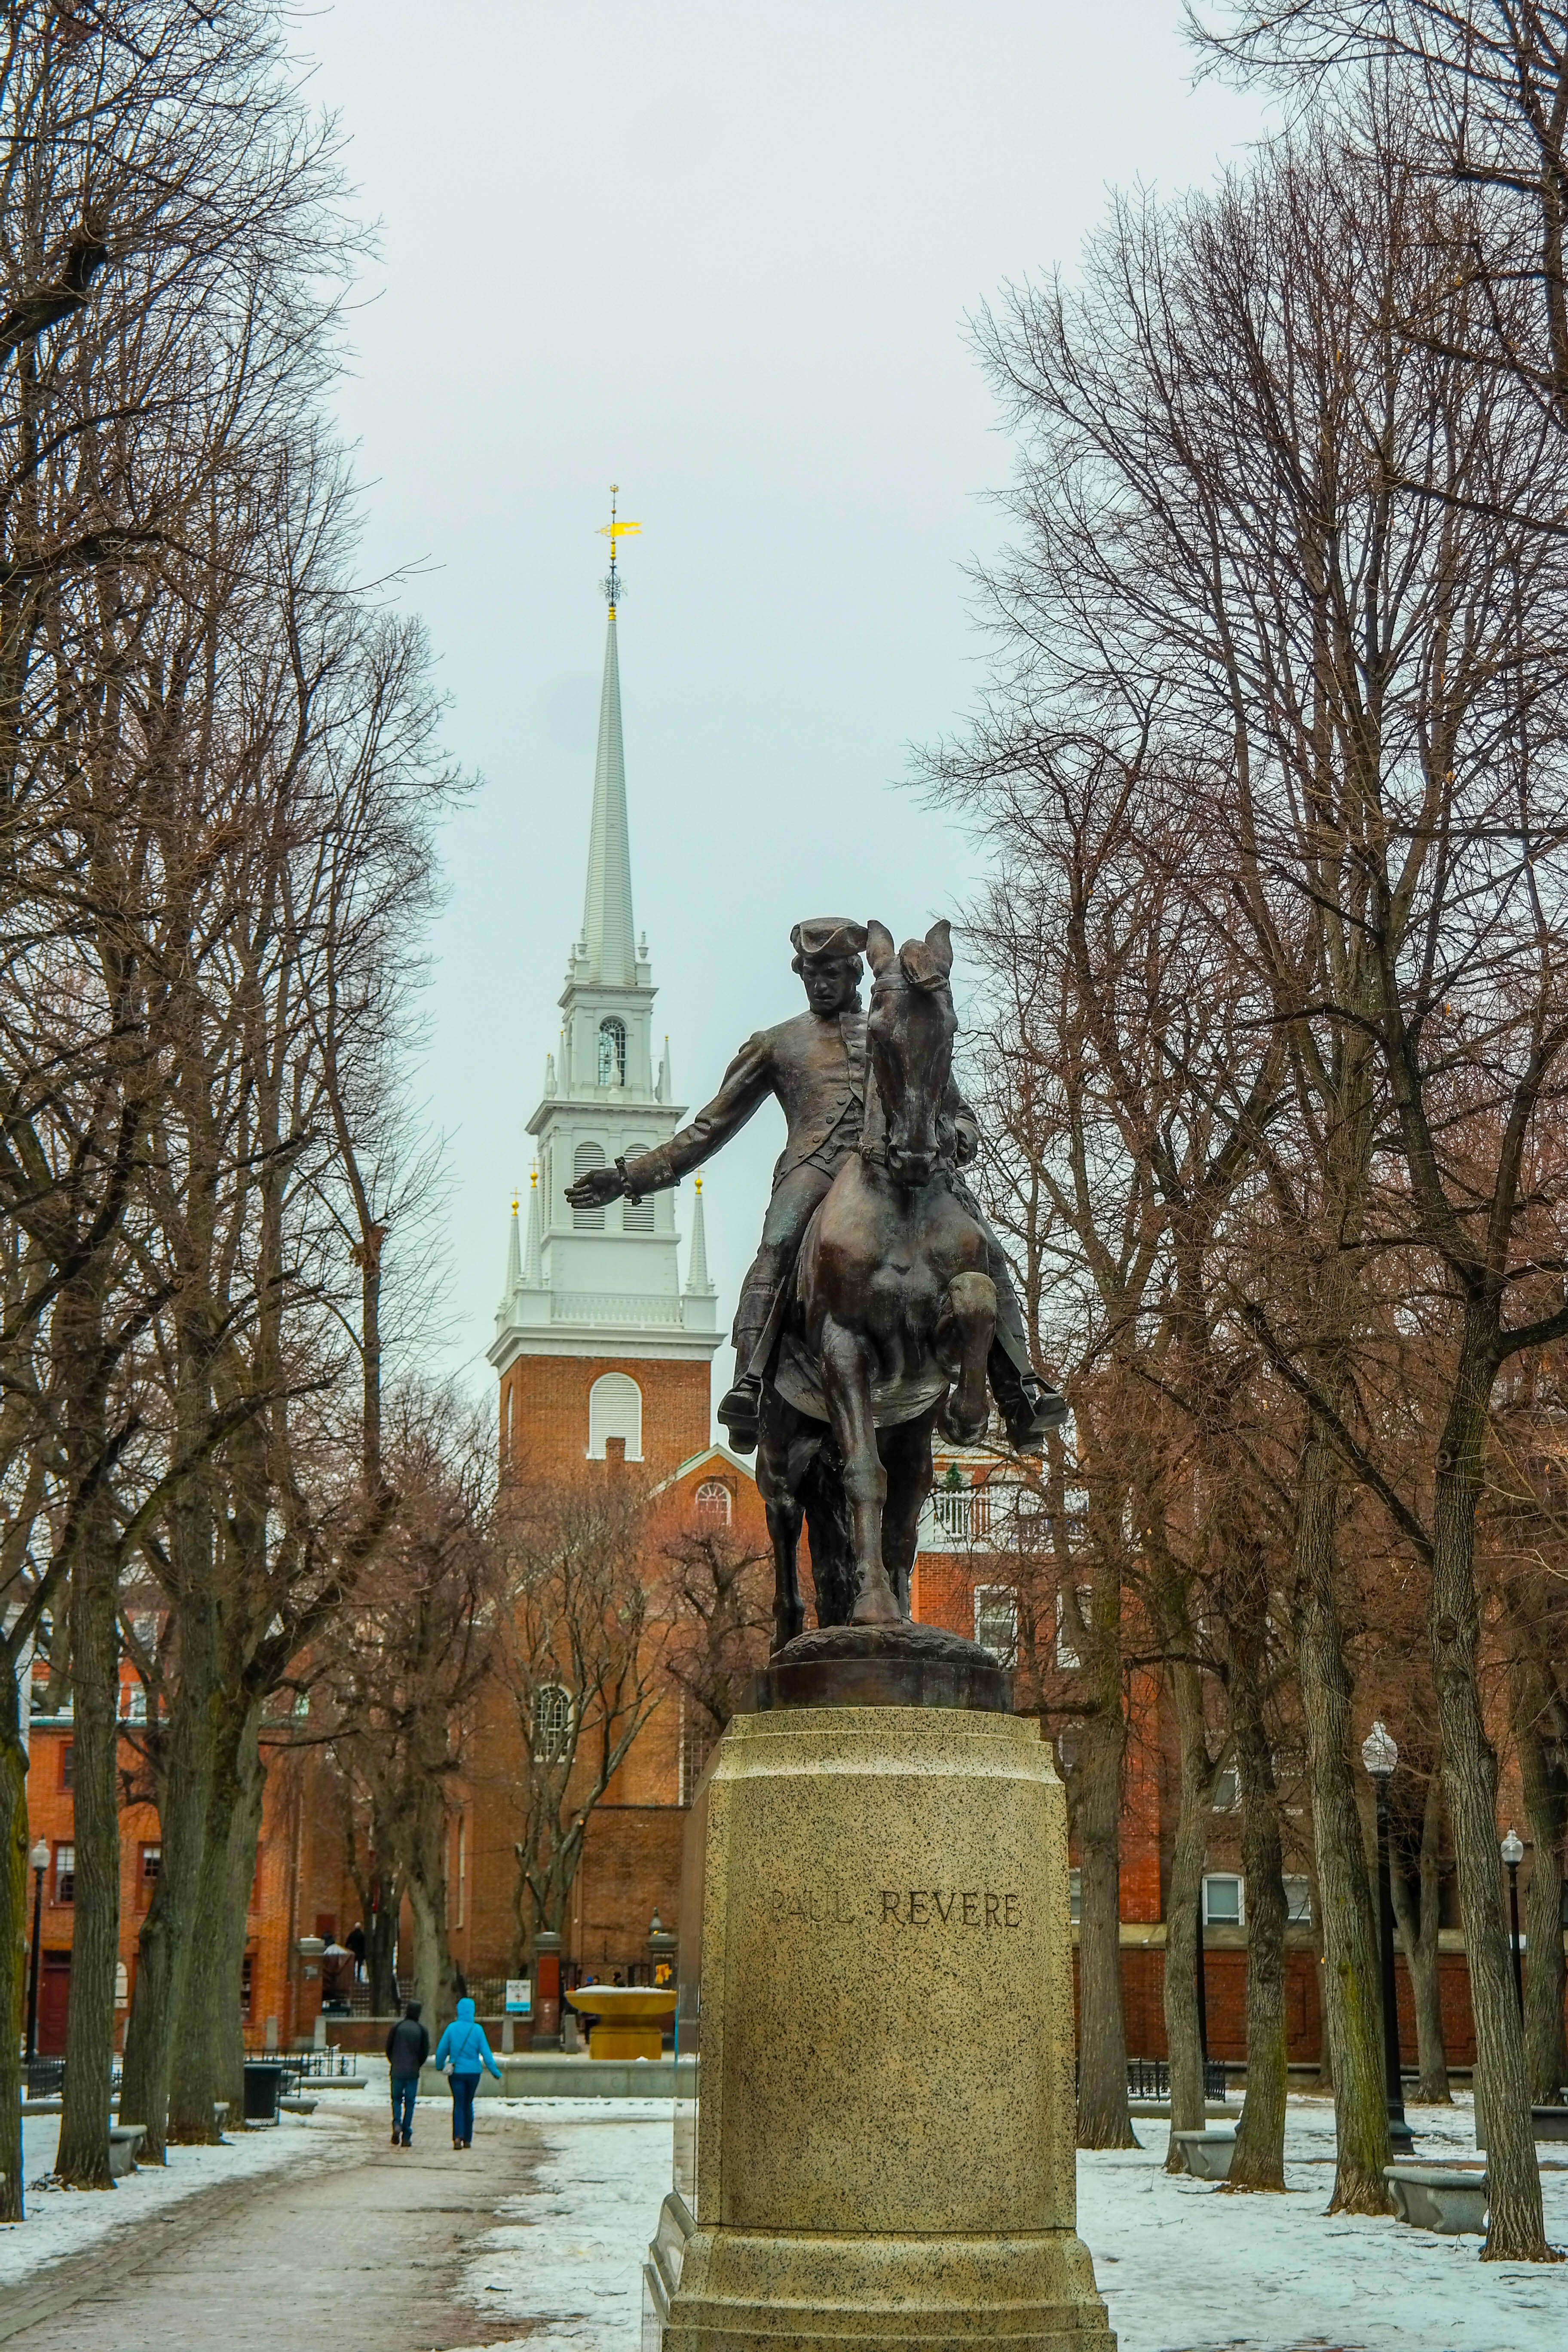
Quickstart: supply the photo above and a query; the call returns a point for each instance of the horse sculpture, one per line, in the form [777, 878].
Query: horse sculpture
[889, 1323]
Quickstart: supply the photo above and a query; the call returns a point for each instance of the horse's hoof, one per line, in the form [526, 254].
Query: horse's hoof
[877, 1609]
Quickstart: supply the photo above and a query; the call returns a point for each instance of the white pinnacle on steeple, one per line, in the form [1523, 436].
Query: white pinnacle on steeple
[513, 1266]
[532, 1263]
[697, 1283]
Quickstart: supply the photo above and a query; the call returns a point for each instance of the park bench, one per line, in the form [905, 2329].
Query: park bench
[1207, 2154]
[1439, 2197]
[1549, 2123]
[125, 2139]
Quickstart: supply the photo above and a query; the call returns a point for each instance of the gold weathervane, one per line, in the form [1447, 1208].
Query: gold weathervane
[614, 530]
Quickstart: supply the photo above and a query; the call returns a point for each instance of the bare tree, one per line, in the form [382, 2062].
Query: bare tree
[579, 1657]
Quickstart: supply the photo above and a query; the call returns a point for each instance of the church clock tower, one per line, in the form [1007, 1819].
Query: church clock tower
[598, 1346]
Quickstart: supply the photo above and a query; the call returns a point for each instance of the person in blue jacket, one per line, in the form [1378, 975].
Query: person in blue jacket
[462, 2050]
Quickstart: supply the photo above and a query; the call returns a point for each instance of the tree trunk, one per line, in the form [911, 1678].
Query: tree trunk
[425, 1883]
[1324, 2085]
[1182, 1910]
[1515, 2229]
[1258, 2161]
[244, 1836]
[1546, 1973]
[1419, 1937]
[199, 2021]
[83, 2159]
[167, 1934]
[1352, 2005]
[381, 1950]
[1103, 2120]
[14, 1946]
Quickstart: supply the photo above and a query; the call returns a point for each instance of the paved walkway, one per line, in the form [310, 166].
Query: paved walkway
[362, 2244]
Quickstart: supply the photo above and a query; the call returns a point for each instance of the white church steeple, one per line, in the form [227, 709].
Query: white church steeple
[604, 1281]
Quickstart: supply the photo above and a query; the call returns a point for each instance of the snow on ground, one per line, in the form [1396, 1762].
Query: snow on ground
[74, 2222]
[570, 2249]
[1181, 2264]
[1184, 2267]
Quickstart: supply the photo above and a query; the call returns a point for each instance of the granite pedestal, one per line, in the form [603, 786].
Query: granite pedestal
[876, 1968]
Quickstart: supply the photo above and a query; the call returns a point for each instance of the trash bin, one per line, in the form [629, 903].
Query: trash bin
[263, 2086]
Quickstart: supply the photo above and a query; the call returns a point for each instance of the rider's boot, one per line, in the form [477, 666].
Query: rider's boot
[1031, 1408]
[740, 1409]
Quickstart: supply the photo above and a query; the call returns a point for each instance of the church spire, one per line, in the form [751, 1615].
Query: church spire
[608, 932]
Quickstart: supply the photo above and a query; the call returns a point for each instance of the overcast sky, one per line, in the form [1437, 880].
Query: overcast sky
[722, 255]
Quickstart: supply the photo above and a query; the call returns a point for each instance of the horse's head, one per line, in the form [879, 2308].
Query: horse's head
[910, 1031]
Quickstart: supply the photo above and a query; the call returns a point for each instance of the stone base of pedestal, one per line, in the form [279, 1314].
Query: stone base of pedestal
[883, 2152]
[744, 2293]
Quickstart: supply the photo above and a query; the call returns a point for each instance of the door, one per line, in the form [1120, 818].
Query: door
[54, 1995]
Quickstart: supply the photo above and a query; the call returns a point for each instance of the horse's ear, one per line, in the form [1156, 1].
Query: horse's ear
[880, 948]
[938, 938]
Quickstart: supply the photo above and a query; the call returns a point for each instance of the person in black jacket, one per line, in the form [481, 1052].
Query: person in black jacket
[407, 2048]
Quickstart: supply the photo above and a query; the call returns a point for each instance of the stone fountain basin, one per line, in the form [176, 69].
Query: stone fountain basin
[624, 2004]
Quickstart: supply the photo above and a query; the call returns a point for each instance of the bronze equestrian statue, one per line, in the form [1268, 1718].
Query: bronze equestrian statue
[813, 1067]
[881, 1299]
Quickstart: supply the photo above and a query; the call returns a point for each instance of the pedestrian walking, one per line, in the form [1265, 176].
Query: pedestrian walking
[407, 2048]
[462, 2050]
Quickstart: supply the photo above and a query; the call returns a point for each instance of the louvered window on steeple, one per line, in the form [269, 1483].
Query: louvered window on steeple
[611, 1051]
[615, 1410]
[637, 1216]
[587, 1156]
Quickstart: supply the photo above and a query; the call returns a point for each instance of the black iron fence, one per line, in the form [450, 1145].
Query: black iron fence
[1150, 2078]
[44, 2078]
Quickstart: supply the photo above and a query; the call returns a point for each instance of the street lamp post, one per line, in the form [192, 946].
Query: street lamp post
[1513, 1854]
[39, 1858]
[1379, 1757]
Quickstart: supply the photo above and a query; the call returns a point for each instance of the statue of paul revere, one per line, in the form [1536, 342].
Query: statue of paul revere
[815, 1068]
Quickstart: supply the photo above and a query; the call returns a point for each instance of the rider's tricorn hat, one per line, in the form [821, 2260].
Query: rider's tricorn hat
[828, 935]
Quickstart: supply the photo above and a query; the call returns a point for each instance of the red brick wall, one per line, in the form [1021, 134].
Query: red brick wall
[548, 1401]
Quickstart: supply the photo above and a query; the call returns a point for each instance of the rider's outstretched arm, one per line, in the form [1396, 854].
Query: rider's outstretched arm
[748, 1083]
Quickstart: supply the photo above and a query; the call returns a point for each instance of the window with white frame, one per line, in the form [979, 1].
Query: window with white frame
[611, 1051]
[1299, 1902]
[1227, 1790]
[65, 1873]
[551, 1723]
[584, 1159]
[615, 1410]
[711, 1501]
[997, 1621]
[1225, 1900]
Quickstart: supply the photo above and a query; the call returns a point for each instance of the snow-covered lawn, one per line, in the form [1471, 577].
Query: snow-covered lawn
[1182, 2265]
[67, 2221]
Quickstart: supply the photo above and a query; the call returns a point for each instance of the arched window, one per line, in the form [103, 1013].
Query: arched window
[712, 1501]
[506, 1423]
[611, 1051]
[551, 1723]
[615, 1410]
[586, 1156]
